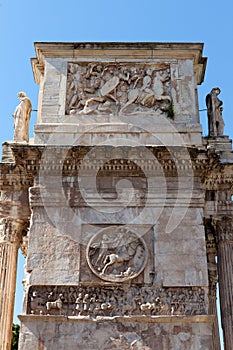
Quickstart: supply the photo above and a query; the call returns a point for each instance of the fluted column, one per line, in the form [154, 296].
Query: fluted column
[10, 230]
[211, 250]
[8, 263]
[213, 311]
[225, 271]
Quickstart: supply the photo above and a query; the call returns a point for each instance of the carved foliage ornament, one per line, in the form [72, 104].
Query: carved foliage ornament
[116, 254]
[11, 230]
[118, 89]
[224, 228]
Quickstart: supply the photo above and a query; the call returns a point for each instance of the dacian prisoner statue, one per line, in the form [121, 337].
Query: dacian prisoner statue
[22, 117]
[214, 112]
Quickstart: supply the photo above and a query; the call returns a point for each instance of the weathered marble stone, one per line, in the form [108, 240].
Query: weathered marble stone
[132, 333]
[21, 117]
[119, 204]
[78, 87]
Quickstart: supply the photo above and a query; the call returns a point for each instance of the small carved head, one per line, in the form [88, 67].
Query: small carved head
[216, 90]
[21, 94]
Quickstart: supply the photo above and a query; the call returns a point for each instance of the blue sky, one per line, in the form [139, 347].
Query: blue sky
[24, 22]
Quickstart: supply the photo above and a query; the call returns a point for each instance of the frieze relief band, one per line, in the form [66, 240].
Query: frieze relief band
[110, 301]
[110, 88]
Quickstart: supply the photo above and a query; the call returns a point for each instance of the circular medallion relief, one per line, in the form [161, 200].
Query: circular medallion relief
[116, 254]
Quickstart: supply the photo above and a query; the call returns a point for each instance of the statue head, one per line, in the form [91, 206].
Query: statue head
[21, 94]
[216, 90]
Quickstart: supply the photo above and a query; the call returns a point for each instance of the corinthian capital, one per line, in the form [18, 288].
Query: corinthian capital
[11, 230]
[224, 229]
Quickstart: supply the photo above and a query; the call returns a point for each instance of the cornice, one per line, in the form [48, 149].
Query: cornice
[109, 158]
[217, 175]
[119, 50]
[32, 159]
[14, 176]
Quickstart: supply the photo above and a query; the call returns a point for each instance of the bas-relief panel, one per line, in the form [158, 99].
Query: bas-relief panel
[118, 89]
[110, 301]
[116, 255]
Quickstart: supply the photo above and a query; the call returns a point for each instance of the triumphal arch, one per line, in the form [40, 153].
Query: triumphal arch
[122, 209]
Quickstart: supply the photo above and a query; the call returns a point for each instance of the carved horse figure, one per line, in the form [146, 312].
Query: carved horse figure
[112, 259]
[57, 304]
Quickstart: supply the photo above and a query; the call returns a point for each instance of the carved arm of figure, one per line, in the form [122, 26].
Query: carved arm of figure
[22, 116]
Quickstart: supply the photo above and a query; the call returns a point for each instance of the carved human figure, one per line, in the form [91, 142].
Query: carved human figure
[86, 303]
[117, 89]
[214, 112]
[105, 244]
[22, 116]
[92, 304]
[116, 254]
[79, 304]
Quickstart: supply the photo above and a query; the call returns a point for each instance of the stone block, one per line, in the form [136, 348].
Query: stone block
[161, 333]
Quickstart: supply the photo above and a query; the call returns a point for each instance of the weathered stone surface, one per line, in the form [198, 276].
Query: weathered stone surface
[162, 333]
[125, 198]
[95, 300]
[75, 89]
[14, 222]
[21, 118]
[53, 258]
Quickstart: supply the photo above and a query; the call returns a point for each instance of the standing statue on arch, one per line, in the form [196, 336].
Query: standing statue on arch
[22, 117]
[214, 112]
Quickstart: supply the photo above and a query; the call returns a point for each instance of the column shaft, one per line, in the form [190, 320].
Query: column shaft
[8, 267]
[225, 268]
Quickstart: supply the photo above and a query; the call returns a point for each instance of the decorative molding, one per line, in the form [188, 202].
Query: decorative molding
[71, 159]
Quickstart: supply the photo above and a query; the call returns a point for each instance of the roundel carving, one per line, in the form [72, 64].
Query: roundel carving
[116, 254]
